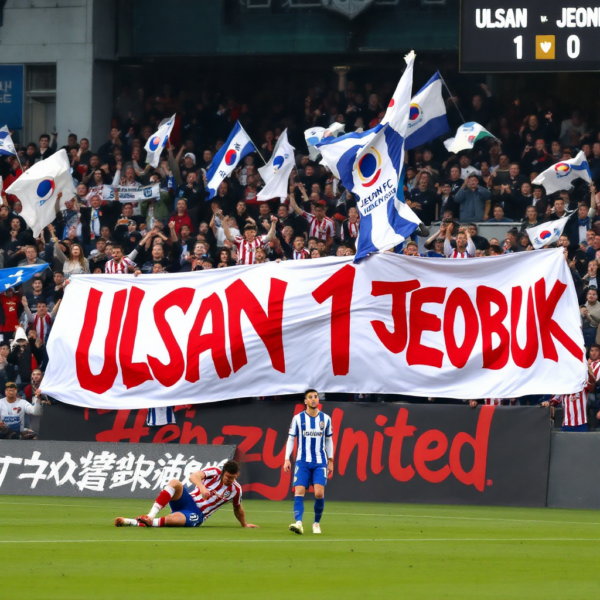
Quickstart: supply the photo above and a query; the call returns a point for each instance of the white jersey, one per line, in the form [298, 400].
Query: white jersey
[311, 434]
[221, 493]
[13, 414]
[163, 415]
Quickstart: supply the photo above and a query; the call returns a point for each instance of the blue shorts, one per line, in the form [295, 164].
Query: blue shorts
[306, 474]
[186, 506]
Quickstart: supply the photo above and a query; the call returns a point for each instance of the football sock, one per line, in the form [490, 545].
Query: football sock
[132, 522]
[319, 506]
[163, 499]
[298, 507]
[159, 522]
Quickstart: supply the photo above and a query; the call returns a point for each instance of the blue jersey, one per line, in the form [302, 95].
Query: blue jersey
[311, 433]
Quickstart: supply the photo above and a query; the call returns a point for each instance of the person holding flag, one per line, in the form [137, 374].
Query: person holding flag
[156, 143]
[276, 172]
[237, 146]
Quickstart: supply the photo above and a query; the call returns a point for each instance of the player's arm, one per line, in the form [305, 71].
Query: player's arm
[329, 449]
[240, 515]
[289, 447]
[197, 479]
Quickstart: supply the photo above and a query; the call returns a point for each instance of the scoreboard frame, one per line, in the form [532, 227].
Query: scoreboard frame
[529, 36]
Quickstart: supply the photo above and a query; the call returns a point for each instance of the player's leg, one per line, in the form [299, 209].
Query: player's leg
[171, 493]
[301, 482]
[319, 477]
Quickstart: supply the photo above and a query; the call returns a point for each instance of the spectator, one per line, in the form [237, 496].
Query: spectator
[473, 200]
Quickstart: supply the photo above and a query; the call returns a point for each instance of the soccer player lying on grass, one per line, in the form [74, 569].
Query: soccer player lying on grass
[214, 488]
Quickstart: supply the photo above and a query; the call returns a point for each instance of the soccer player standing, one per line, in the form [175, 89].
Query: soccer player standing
[314, 459]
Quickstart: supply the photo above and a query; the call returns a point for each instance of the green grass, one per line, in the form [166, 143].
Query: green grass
[67, 548]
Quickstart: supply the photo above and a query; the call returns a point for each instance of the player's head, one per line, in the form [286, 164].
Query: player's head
[230, 472]
[311, 398]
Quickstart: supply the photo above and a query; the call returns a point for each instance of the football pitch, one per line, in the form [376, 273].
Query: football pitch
[68, 548]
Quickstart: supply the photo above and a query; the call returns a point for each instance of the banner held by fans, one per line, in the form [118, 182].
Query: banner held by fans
[491, 327]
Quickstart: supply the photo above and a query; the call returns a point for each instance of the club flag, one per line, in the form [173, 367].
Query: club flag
[427, 114]
[276, 173]
[237, 146]
[38, 188]
[315, 134]
[561, 175]
[6, 144]
[11, 278]
[157, 142]
[396, 115]
[466, 136]
[547, 233]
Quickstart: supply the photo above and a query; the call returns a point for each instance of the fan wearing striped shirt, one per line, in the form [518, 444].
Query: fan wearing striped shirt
[314, 458]
[319, 225]
[248, 245]
[465, 248]
[214, 488]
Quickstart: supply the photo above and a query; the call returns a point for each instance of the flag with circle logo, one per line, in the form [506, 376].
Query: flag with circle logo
[547, 233]
[38, 189]
[237, 146]
[466, 137]
[561, 175]
[157, 142]
[6, 144]
[276, 173]
[427, 114]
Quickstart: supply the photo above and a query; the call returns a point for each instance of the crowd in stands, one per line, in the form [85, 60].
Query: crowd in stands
[179, 230]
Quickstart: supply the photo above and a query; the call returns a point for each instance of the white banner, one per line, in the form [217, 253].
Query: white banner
[126, 193]
[496, 327]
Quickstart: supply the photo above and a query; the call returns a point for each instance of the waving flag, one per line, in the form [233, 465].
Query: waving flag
[6, 144]
[237, 146]
[547, 233]
[38, 188]
[276, 173]
[427, 114]
[314, 135]
[466, 136]
[11, 278]
[561, 175]
[157, 141]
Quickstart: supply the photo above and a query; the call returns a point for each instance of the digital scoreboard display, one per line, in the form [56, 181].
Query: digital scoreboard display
[529, 36]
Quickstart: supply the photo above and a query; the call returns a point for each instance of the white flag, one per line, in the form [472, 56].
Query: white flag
[561, 175]
[38, 188]
[156, 142]
[315, 134]
[276, 173]
[547, 233]
[6, 144]
[466, 136]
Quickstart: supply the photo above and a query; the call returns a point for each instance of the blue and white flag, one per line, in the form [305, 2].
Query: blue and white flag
[10, 278]
[547, 233]
[6, 144]
[38, 190]
[427, 114]
[315, 134]
[237, 146]
[561, 175]
[276, 173]
[157, 142]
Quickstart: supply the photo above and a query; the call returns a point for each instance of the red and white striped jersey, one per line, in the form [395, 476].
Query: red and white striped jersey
[303, 254]
[42, 325]
[493, 401]
[451, 252]
[246, 250]
[113, 267]
[322, 230]
[595, 366]
[575, 408]
[221, 493]
[352, 229]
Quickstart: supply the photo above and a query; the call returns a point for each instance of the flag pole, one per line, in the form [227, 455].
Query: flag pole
[255, 146]
[452, 97]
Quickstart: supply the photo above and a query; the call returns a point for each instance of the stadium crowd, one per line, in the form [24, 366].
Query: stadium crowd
[178, 230]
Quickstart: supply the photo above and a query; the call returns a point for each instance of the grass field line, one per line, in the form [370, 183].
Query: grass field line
[297, 540]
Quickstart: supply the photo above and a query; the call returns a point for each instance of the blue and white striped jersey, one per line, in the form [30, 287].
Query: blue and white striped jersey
[311, 433]
[164, 415]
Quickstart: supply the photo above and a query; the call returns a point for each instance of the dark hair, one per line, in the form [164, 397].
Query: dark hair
[495, 248]
[117, 247]
[231, 467]
[45, 136]
[250, 228]
[41, 302]
[310, 391]
[591, 346]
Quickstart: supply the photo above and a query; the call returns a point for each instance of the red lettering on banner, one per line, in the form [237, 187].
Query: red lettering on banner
[336, 423]
[523, 357]
[133, 374]
[394, 341]
[169, 374]
[166, 434]
[214, 341]
[549, 328]
[398, 432]
[196, 434]
[493, 358]
[121, 433]
[420, 321]
[105, 379]
[339, 288]
[430, 446]
[350, 440]
[251, 437]
[268, 326]
[377, 453]
[476, 476]
[459, 355]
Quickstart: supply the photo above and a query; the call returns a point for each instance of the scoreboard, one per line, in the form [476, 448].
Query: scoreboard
[529, 36]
